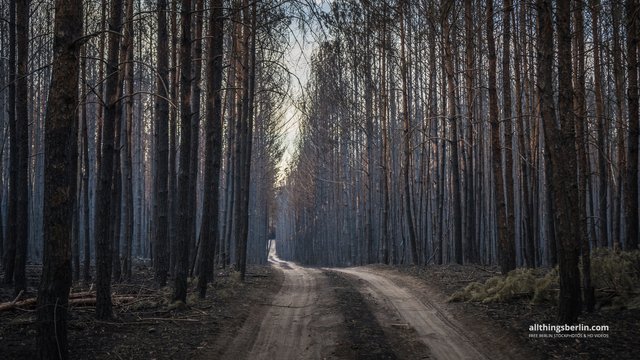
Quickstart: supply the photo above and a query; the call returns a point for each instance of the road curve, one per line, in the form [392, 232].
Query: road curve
[435, 326]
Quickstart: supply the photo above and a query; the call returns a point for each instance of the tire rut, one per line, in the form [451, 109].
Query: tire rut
[435, 327]
[300, 323]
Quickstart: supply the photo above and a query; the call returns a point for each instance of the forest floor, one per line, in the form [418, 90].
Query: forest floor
[285, 311]
[512, 319]
[146, 326]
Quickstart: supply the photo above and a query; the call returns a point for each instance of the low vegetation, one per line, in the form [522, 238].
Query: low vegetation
[615, 277]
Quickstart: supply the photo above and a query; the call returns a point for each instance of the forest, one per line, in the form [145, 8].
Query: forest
[209, 153]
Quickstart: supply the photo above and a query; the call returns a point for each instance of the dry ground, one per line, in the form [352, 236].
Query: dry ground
[285, 311]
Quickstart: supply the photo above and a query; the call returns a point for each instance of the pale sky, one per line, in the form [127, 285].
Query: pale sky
[298, 54]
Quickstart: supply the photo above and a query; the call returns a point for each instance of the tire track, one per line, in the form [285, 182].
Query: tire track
[436, 328]
[299, 324]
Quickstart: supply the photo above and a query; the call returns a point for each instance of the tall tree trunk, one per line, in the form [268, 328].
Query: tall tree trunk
[184, 193]
[125, 155]
[3, 128]
[60, 181]
[12, 216]
[119, 138]
[368, 100]
[452, 116]
[104, 246]
[507, 258]
[509, 245]
[407, 139]
[173, 138]
[209, 234]
[471, 250]
[581, 141]
[561, 146]
[240, 53]
[248, 114]
[600, 121]
[22, 139]
[194, 162]
[162, 147]
[618, 73]
[631, 195]
[527, 208]
[244, 135]
[86, 274]
[386, 238]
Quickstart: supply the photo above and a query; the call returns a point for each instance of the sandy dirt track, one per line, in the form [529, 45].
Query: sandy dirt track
[303, 320]
[299, 324]
[434, 325]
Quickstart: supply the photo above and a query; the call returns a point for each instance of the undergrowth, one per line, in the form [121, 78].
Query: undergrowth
[614, 275]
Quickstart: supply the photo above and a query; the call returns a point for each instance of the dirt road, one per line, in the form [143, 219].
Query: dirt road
[434, 325]
[303, 322]
[299, 324]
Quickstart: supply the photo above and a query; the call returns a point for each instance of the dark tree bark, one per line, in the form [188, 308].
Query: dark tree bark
[125, 155]
[244, 132]
[581, 142]
[10, 250]
[240, 52]
[118, 141]
[61, 146]
[85, 184]
[407, 140]
[22, 140]
[386, 239]
[600, 121]
[3, 128]
[509, 249]
[196, 92]
[162, 147]
[471, 251]
[506, 256]
[185, 220]
[209, 233]
[172, 183]
[561, 146]
[452, 116]
[631, 196]
[104, 246]
[528, 186]
[618, 73]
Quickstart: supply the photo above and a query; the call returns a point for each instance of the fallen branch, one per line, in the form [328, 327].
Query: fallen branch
[171, 319]
[117, 300]
[487, 270]
[16, 304]
[77, 299]
[18, 297]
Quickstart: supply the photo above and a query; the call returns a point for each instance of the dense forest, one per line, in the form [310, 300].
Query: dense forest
[427, 132]
[468, 132]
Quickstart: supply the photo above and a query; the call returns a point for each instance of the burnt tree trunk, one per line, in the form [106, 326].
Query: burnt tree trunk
[209, 234]
[561, 146]
[162, 148]
[506, 259]
[10, 250]
[104, 246]
[22, 142]
[184, 193]
[60, 180]
[631, 196]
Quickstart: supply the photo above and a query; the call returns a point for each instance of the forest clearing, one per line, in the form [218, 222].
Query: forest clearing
[310, 179]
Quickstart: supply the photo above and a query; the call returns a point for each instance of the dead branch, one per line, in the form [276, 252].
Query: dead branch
[76, 299]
